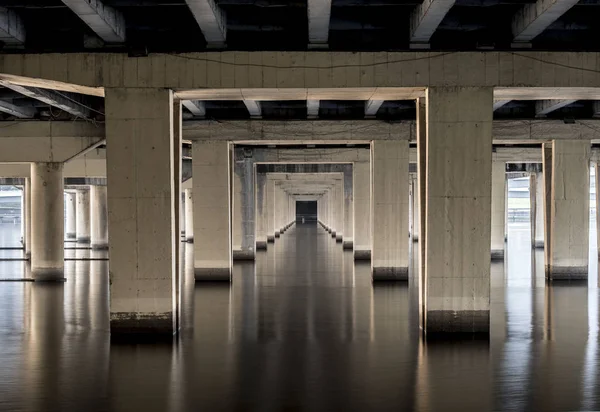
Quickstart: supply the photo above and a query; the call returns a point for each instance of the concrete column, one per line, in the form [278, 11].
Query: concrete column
[212, 210]
[277, 212]
[260, 210]
[390, 206]
[71, 211]
[339, 210]
[362, 210]
[99, 217]
[569, 195]
[458, 209]
[348, 210]
[143, 202]
[498, 210]
[597, 184]
[27, 216]
[270, 210]
[415, 209]
[243, 236]
[83, 216]
[47, 222]
[536, 199]
[189, 215]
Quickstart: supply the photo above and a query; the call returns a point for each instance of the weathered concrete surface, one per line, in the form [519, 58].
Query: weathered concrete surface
[189, 215]
[212, 211]
[27, 216]
[458, 208]
[142, 204]
[243, 224]
[390, 210]
[498, 210]
[261, 215]
[47, 227]
[71, 218]
[362, 208]
[83, 216]
[536, 200]
[99, 217]
[569, 208]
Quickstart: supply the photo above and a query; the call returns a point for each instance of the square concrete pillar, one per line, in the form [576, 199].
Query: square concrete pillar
[83, 223]
[26, 216]
[536, 212]
[390, 206]
[498, 209]
[362, 210]
[414, 195]
[339, 210]
[568, 234]
[348, 243]
[260, 210]
[189, 215]
[597, 195]
[98, 218]
[71, 215]
[142, 207]
[243, 209]
[212, 210]
[458, 210]
[270, 210]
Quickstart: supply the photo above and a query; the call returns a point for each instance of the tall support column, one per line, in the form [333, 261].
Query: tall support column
[362, 210]
[189, 215]
[415, 209]
[143, 201]
[47, 222]
[390, 204]
[260, 210]
[348, 210]
[83, 216]
[536, 201]
[212, 210]
[339, 210]
[458, 210]
[498, 210]
[243, 228]
[27, 216]
[71, 218]
[270, 210]
[568, 237]
[99, 217]
[597, 185]
[277, 212]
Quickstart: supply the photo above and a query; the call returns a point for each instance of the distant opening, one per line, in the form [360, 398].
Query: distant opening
[306, 211]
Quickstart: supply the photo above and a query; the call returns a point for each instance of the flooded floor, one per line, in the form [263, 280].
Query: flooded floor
[301, 329]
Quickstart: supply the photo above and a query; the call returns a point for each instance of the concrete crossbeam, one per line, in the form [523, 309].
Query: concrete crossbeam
[22, 112]
[425, 20]
[319, 13]
[312, 109]
[544, 107]
[371, 108]
[62, 100]
[197, 108]
[212, 21]
[534, 18]
[12, 29]
[107, 22]
[253, 108]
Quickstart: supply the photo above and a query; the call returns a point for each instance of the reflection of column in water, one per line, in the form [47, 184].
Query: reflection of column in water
[98, 306]
[70, 289]
[188, 284]
[82, 293]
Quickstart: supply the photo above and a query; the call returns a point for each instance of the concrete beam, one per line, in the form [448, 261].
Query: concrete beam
[425, 19]
[12, 29]
[371, 108]
[64, 101]
[544, 107]
[253, 108]
[534, 18]
[319, 12]
[107, 22]
[42, 149]
[22, 112]
[212, 21]
[196, 107]
[499, 103]
[312, 109]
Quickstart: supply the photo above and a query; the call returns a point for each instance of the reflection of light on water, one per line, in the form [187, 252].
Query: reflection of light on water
[591, 355]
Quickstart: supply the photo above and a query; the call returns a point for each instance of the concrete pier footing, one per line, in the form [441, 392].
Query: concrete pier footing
[389, 273]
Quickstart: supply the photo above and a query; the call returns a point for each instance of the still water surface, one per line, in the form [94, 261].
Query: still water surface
[301, 329]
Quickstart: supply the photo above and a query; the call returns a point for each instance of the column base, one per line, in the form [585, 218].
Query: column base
[277, 234]
[99, 246]
[333, 234]
[243, 255]
[270, 239]
[538, 244]
[189, 239]
[348, 245]
[83, 239]
[212, 274]
[48, 275]
[261, 245]
[71, 235]
[339, 238]
[450, 322]
[567, 272]
[415, 238]
[362, 254]
[134, 327]
[389, 273]
[497, 254]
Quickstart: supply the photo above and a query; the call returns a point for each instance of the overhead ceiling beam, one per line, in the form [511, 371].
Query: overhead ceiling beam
[17, 111]
[425, 20]
[534, 18]
[196, 107]
[312, 109]
[372, 107]
[544, 107]
[212, 21]
[319, 13]
[107, 22]
[499, 103]
[254, 109]
[12, 29]
[62, 100]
